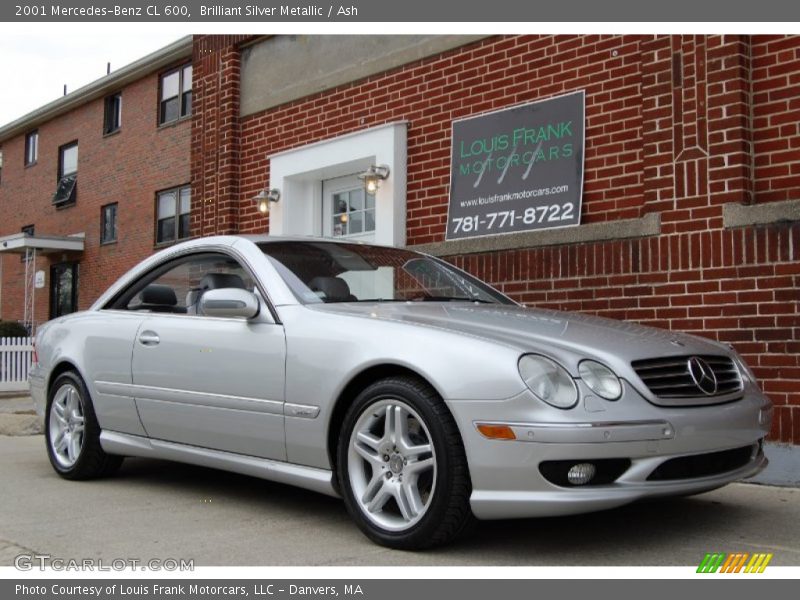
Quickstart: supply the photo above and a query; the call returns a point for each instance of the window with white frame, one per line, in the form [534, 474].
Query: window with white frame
[173, 208]
[348, 210]
[112, 118]
[31, 148]
[176, 95]
[353, 212]
[108, 223]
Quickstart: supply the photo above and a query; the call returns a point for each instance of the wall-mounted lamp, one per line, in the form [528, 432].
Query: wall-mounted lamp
[373, 176]
[265, 197]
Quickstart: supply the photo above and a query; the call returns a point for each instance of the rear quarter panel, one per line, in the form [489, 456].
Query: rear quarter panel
[98, 345]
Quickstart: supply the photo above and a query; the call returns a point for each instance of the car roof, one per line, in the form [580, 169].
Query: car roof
[267, 238]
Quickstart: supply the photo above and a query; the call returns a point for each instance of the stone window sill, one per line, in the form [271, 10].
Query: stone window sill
[768, 213]
[645, 226]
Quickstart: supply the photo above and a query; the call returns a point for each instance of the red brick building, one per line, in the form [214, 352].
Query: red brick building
[691, 204]
[83, 176]
[691, 180]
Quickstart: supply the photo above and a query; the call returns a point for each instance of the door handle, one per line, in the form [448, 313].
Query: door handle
[149, 338]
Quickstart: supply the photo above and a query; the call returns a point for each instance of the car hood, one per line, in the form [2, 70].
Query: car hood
[538, 330]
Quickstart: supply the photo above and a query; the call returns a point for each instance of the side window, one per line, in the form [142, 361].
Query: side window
[31, 148]
[178, 289]
[112, 119]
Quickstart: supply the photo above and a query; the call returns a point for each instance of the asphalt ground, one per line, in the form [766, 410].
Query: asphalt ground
[156, 509]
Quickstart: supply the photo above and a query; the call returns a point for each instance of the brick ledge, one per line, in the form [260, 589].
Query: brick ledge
[645, 226]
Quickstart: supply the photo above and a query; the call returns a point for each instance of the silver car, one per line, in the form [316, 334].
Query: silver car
[417, 393]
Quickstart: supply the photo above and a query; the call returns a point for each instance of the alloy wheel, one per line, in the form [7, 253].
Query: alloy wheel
[392, 465]
[66, 425]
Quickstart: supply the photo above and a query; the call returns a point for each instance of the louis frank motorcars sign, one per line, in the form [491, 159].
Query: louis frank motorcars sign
[518, 169]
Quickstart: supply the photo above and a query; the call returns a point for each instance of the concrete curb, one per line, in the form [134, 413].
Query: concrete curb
[18, 416]
[16, 424]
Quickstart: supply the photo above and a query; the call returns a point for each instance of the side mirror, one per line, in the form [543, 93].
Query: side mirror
[229, 303]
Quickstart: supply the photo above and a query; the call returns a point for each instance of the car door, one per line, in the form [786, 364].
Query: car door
[208, 381]
[109, 338]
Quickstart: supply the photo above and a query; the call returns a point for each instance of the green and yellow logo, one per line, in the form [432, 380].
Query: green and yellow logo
[738, 562]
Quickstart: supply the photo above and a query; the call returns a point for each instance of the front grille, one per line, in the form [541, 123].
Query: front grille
[702, 465]
[678, 377]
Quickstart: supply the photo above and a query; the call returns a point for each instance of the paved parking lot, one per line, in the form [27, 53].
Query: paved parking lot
[154, 509]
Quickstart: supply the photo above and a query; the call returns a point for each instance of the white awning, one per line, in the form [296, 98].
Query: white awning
[20, 243]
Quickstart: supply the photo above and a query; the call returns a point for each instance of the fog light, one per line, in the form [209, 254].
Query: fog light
[581, 474]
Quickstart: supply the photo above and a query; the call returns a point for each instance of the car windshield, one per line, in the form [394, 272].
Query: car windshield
[335, 272]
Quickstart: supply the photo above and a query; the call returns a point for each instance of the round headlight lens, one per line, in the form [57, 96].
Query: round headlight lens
[548, 380]
[600, 379]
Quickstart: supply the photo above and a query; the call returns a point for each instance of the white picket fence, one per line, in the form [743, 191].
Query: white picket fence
[16, 355]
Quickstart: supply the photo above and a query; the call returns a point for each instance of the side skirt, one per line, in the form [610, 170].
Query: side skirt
[310, 478]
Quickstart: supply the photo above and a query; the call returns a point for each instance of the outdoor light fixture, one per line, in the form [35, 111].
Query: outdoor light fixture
[373, 176]
[264, 198]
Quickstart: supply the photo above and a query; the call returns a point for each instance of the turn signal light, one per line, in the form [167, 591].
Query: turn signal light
[496, 432]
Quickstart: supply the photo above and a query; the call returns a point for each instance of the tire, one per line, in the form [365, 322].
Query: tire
[72, 434]
[401, 466]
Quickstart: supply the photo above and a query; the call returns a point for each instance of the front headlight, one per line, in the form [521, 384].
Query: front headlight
[548, 380]
[744, 371]
[600, 379]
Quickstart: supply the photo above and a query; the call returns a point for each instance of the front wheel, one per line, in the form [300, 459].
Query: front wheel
[402, 466]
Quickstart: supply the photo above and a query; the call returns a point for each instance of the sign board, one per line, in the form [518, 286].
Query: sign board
[518, 169]
[38, 280]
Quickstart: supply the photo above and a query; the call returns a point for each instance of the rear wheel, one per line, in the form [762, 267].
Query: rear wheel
[402, 466]
[72, 432]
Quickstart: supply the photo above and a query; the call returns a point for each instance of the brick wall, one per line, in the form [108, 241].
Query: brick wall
[215, 133]
[776, 117]
[676, 125]
[127, 167]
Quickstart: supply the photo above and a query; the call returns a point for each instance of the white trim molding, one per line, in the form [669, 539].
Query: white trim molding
[298, 173]
[20, 243]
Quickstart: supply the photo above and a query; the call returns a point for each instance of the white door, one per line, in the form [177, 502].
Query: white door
[348, 212]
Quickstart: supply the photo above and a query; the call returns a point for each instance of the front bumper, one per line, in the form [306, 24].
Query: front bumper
[500, 504]
[506, 477]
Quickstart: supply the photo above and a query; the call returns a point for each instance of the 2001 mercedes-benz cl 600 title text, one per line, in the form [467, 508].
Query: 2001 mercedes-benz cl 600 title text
[417, 393]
